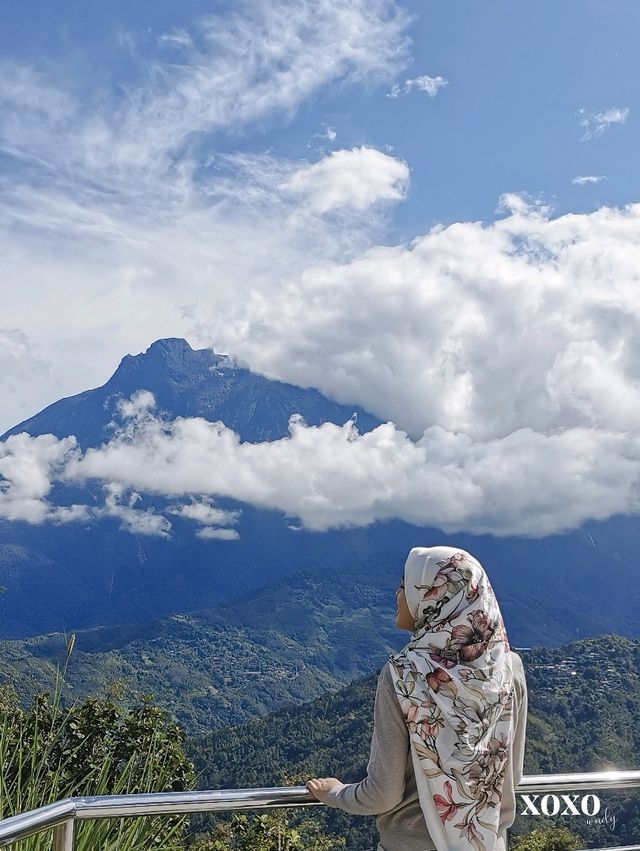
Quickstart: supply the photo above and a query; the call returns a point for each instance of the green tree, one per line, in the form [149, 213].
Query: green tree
[551, 839]
[273, 831]
[97, 747]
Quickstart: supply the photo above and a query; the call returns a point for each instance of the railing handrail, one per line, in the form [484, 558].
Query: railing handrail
[62, 813]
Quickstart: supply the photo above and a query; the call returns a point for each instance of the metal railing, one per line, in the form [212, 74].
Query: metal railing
[62, 816]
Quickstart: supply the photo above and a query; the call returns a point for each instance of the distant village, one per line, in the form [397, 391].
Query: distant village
[555, 674]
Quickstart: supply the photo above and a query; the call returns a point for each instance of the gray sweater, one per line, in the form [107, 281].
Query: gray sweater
[389, 790]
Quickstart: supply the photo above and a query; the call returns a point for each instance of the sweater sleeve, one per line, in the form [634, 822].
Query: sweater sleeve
[515, 766]
[383, 787]
[520, 735]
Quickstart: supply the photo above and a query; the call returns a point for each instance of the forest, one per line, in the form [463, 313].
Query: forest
[584, 715]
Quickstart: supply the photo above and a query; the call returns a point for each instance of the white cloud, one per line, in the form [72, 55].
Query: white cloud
[178, 38]
[69, 514]
[21, 366]
[267, 58]
[510, 344]
[141, 404]
[514, 345]
[467, 327]
[330, 476]
[595, 123]
[28, 466]
[120, 501]
[583, 180]
[117, 199]
[430, 85]
[203, 511]
[356, 179]
[329, 134]
[210, 534]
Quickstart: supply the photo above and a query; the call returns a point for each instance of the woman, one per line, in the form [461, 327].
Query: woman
[449, 717]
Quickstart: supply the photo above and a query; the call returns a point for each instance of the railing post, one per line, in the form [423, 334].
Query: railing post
[64, 836]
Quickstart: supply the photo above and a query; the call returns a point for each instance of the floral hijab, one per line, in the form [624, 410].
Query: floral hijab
[454, 681]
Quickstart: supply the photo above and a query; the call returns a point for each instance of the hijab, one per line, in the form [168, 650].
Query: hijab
[454, 681]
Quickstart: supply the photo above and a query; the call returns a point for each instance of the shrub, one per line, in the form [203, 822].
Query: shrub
[97, 747]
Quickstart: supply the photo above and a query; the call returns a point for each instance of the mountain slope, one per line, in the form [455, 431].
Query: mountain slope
[81, 575]
[290, 641]
[585, 721]
[191, 383]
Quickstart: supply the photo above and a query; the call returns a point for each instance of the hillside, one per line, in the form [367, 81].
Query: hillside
[301, 639]
[69, 576]
[582, 721]
[297, 638]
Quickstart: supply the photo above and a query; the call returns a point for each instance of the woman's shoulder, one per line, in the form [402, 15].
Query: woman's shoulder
[386, 690]
[385, 677]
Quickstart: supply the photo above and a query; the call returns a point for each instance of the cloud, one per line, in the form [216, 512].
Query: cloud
[209, 534]
[265, 58]
[204, 512]
[119, 503]
[430, 85]
[28, 466]
[140, 405]
[68, 514]
[31, 466]
[511, 345]
[356, 179]
[328, 134]
[331, 476]
[469, 327]
[117, 195]
[595, 123]
[588, 178]
[20, 365]
[505, 353]
[178, 38]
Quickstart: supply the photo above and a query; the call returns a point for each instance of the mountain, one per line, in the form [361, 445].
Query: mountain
[82, 575]
[85, 575]
[191, 383]
[584, 715]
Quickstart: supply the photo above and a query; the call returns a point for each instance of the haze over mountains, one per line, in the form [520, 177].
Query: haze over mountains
[94, 573]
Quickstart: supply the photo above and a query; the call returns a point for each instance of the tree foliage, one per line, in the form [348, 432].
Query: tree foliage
[273, 831]
[97, 747]
[552, 839]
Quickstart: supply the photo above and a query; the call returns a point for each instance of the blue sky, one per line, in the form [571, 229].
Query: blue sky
[518, 73]
[427, 209]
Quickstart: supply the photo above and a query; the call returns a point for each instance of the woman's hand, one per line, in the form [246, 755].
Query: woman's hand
[319, 786]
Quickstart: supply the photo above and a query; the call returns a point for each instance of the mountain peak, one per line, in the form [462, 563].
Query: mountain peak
[178, 352]
[169, 345]
[174, 354]
[189, 382]
[171, 356]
